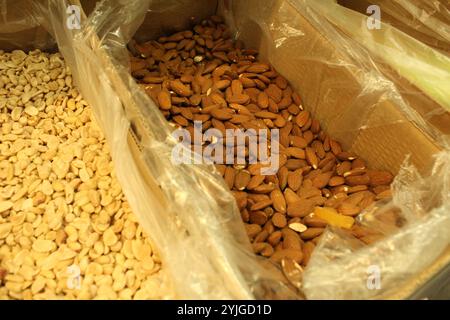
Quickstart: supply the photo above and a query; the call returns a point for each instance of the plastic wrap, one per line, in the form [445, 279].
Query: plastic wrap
[409, 53]
[187, 209]
[427, 21]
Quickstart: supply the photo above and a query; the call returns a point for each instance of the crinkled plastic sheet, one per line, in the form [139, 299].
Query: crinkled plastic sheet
[425, 20]
[409, 49]
[190, 214]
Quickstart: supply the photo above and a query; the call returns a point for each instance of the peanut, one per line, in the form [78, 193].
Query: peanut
[60, 202]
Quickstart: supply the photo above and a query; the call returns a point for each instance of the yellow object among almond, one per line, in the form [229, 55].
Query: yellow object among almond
[333, 218]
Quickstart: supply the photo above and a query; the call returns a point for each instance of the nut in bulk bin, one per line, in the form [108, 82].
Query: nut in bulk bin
[60, 203]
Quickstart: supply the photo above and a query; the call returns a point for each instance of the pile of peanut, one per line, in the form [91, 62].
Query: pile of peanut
[66, 229]
[202, 74]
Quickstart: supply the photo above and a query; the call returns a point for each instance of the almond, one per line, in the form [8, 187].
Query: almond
[252, 230]
[336, 181]
[229, 176]
[274, 238]
[279, 203]
[379, 178]
[261, 205]
[265, 115]
[236, 87]
[282, 174]
[263, 100]
[279, 220]
[322, 179]
[298, 227]
[258, 217]
[300, 208]
[311, 233]
[222, 113]
[295, 179]
[296, 255]
[311, 157]
[312, 221]
[242, 179]
[291, 239]
[180, 88]
[348, 209]
[302, 118]
[258, 68]
[296, 153]
[274, 93]
[357, 180]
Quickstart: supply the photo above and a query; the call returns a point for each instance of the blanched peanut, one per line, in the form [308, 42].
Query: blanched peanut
[66, 230]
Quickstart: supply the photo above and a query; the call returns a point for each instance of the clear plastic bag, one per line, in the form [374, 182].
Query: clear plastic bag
[427, 21]
[189, 212]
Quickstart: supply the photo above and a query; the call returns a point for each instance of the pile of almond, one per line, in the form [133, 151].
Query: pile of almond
[203, 75]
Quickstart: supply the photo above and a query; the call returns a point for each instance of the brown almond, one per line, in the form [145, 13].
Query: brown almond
[264, 188]
[348, 209]
[261, 205]
[290, 196]
[151, 79]
[229, 176]
[296, 255]
[379, 178]
[222, 113]
[265, 115]
[336, 181]
[258, 68]
[275, 237]
[279, 203]
[296, 152]
[252, 230]
[291, 239]
[311, 233]
[295, 179]
[258, 217]
[322, 179]
[312, 221]
[357, 180]
[164, 100]
[180, 88]
[311, 157]
[343, 167]
[274, 92]
[386, 194]
[263, 100]
[182, 121]
[239, 99]
[335, 147]
[282, 174]
[255, 181]
[298, 142]
[236, 87]
[279, 220]
[242, 179]
[262, 236]
[302, 118]
[300, 208]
